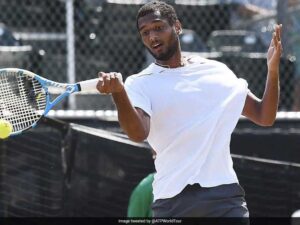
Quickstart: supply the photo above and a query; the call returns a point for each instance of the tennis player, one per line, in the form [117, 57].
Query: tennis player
[187, 107]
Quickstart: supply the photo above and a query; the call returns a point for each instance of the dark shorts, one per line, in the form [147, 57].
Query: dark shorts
[195, 201]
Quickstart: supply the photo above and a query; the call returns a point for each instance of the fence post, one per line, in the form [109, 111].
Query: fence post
[71, 74]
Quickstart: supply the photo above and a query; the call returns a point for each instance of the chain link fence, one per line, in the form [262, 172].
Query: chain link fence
[72, 40]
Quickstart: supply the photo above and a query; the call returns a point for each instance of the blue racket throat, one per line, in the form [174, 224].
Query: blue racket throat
[69, 89]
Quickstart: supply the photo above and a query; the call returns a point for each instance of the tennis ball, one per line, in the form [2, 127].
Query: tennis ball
[5, 129]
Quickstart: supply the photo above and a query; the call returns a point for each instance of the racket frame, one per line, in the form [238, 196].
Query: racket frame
[45, 84]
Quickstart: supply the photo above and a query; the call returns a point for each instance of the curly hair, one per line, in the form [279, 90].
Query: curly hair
[167, 11]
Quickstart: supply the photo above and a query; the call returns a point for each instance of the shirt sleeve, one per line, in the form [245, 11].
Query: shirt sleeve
[137, 94]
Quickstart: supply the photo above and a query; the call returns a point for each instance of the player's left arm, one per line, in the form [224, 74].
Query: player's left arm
[263, 111]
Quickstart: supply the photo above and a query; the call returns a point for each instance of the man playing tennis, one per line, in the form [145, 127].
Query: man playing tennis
[187, 108]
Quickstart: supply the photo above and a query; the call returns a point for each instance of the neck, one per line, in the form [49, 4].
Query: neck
[174, 62]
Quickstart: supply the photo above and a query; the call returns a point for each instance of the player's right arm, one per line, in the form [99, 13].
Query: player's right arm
[134, 121]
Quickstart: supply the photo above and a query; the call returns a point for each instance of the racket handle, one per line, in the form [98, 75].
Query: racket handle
[88, 85]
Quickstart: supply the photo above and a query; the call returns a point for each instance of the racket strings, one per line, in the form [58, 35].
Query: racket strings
[17, 111]
[23, 115]
[14, 110]
[22, 99]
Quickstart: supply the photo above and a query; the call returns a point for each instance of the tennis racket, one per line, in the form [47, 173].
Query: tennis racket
[25, 97]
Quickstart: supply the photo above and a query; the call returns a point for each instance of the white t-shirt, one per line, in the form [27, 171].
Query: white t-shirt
[193, 111]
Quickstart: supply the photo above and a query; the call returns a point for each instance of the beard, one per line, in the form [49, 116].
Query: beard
[170, 51]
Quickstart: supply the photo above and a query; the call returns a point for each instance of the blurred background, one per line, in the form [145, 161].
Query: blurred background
[79, 163]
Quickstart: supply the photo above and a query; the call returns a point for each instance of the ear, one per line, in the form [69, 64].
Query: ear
[178, 27]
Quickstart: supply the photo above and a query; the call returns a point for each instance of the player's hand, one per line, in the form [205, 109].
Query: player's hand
[110, 83]
[275, 50]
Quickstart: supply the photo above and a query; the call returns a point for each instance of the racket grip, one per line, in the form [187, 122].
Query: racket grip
[88, 85]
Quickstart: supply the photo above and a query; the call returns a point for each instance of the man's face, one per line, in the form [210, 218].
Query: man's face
[158, 36]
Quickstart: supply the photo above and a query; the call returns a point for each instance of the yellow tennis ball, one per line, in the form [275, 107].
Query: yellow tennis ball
[5, 129]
